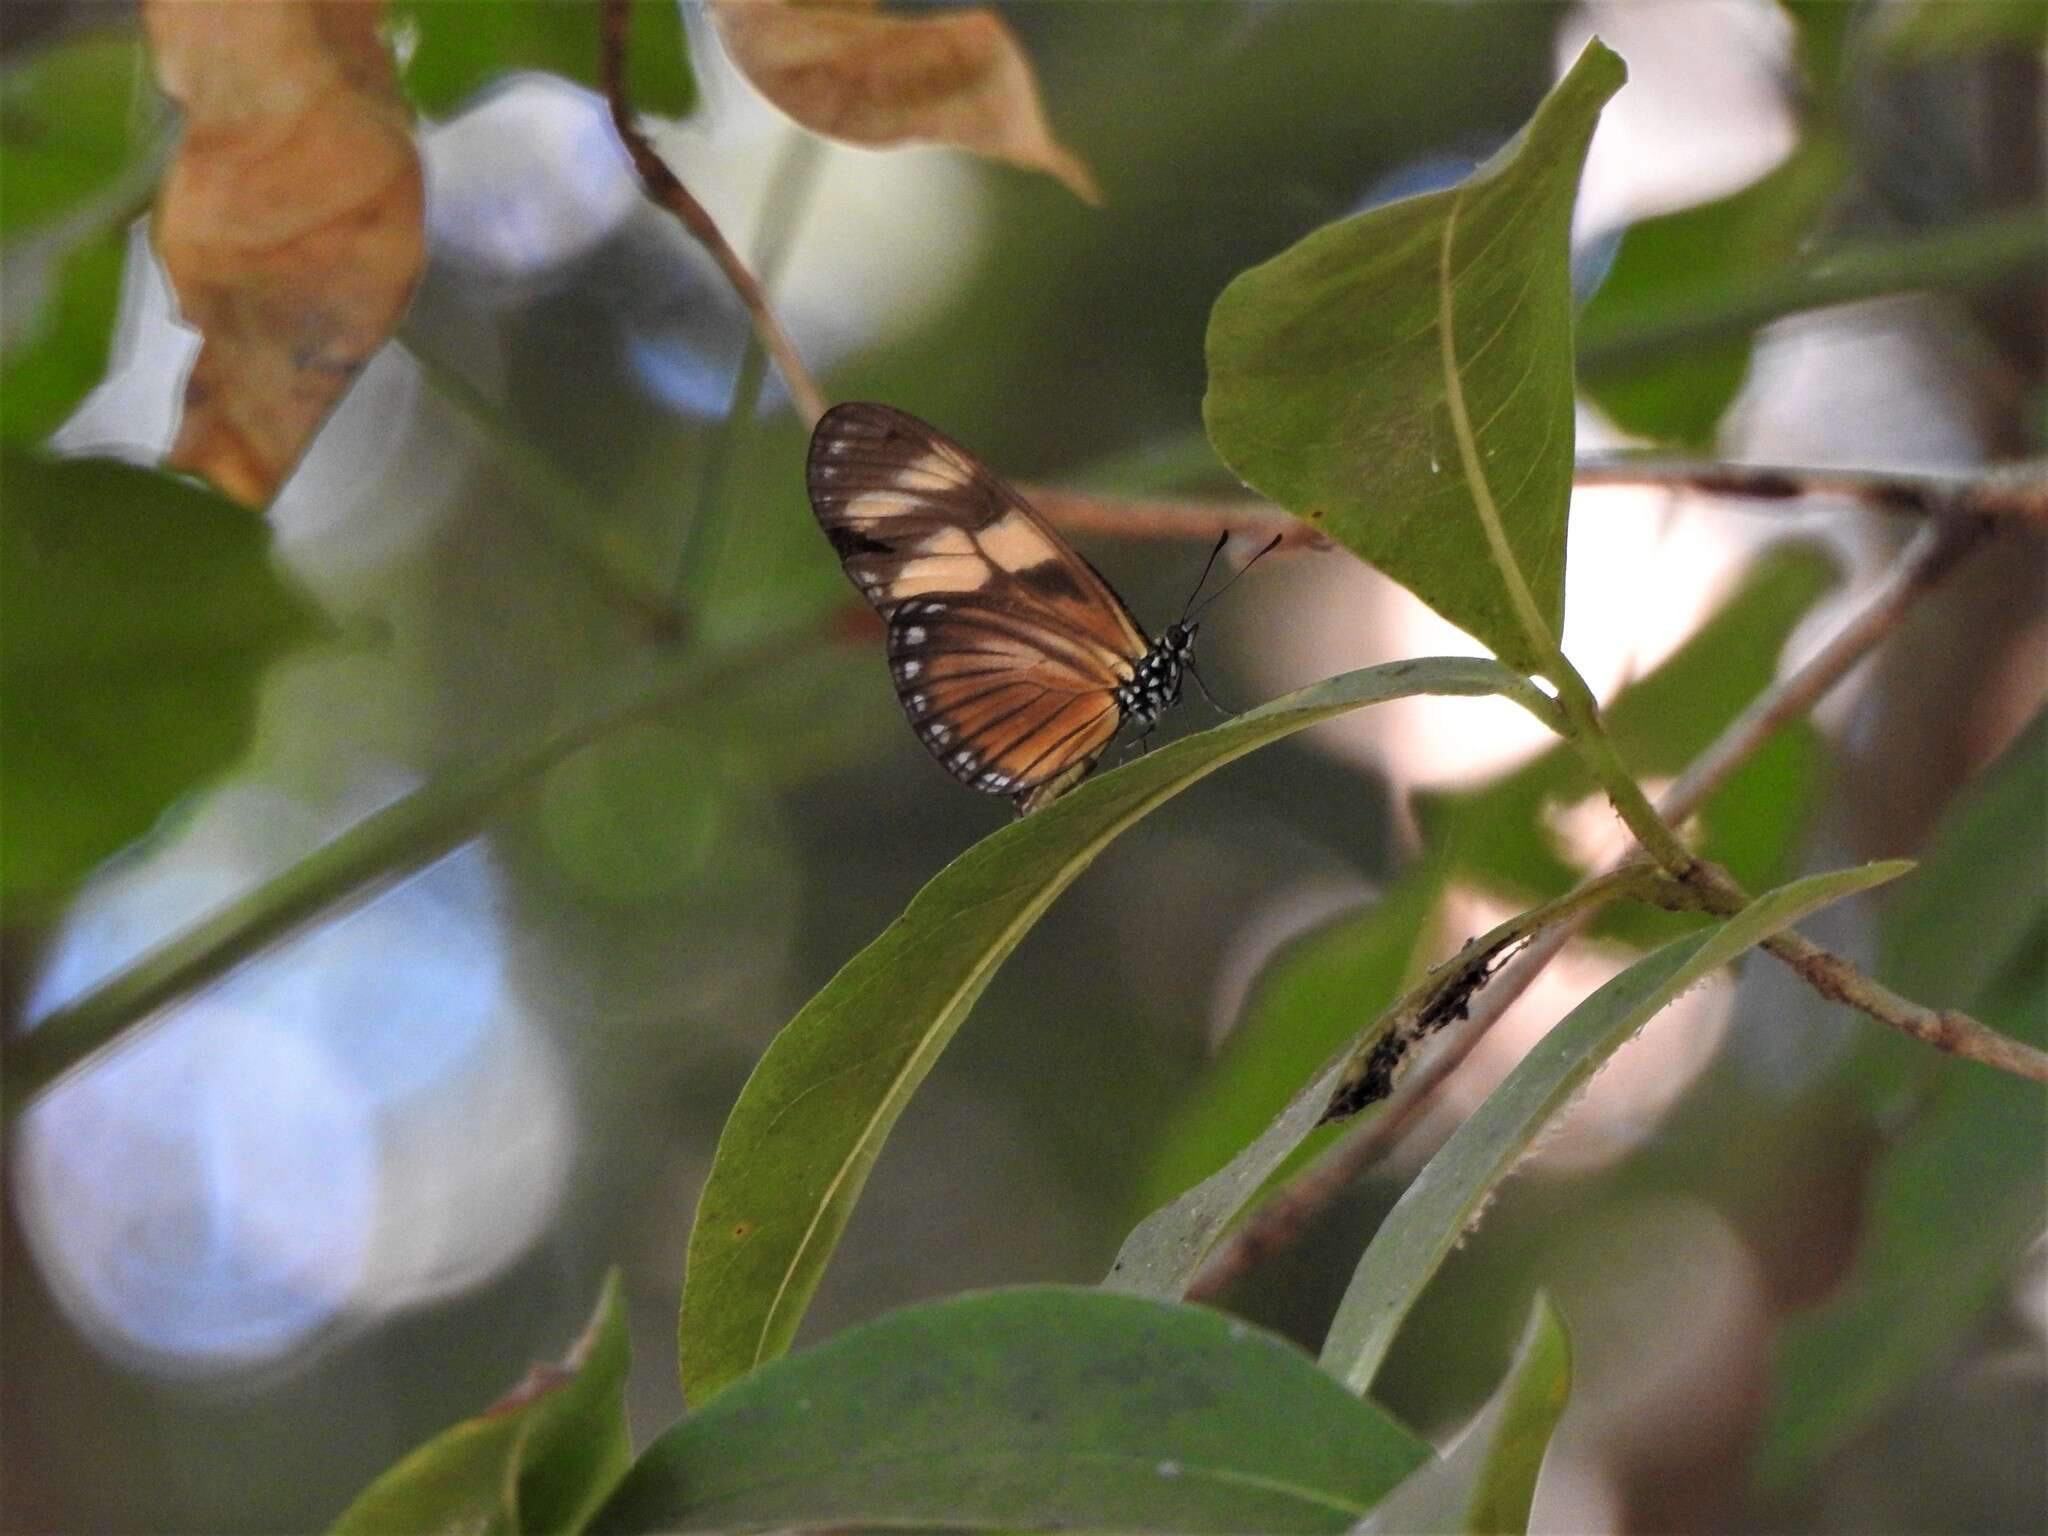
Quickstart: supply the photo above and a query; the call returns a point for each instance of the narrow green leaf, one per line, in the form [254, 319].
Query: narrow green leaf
[541, 1459]
[812, 1119]
[1042, 1407]
[1486, 1483]
[141, 612]
[1307, 1002]
[1328, 390]
[453, 48]
[1941, 29]
[1455, 1184]
[1959, 1193]
[1747, 238]
[62, 355]
[1165, 1251]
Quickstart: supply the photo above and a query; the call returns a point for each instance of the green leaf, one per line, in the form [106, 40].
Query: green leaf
[1329, 390]
[453, 48]
[1939, 29]
[1044, 1406]
[1440, 1206]
[1308, 1002]
[1486, 1484]
[1497, 834]
[73, 119]
[1165, 1252]
[78, 127]
[141, 614]
[541, 1459]
[63, 355]
[1685, 258]
[812, 1119]
[1958, 1196]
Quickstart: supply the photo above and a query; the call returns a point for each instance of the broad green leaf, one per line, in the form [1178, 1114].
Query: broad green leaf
[79, 123]
[540, 1460]
[1439, 1207]
[1959, 1194]
[1042, 1407]
[1486, 1483]
[451, 49]
[1684, 259]
[1330, 375]
[62, 354]
[74, 118]
[141, 613]
[1310, 999]
[1498, 835]
[812, 1119]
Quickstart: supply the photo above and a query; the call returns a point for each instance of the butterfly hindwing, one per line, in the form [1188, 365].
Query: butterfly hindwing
[1008, 649]
[1003, 711]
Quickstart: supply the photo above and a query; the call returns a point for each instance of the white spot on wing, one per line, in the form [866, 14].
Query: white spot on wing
[914, 635]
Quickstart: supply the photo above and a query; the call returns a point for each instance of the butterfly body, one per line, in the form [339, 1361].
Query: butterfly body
[1014, 659]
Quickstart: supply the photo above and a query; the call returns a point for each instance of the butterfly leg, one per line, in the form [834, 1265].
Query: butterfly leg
[1226, 713]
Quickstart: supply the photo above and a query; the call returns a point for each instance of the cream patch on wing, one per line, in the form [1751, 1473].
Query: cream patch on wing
[1014, 544]
[946, 541]
[941, 573]
[928, 473]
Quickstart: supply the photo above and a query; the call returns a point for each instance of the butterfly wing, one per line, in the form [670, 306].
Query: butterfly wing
[1006, 705]
[1006, 646]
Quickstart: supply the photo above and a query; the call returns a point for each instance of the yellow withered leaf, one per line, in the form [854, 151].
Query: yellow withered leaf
[291, 221]
[844, 69]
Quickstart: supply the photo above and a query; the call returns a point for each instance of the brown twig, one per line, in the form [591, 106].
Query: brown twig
[666, 189]
[2006, 493]
[1923, 567]
[1154, 517]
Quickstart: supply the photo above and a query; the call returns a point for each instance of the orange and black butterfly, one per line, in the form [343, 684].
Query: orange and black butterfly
[1013, 658]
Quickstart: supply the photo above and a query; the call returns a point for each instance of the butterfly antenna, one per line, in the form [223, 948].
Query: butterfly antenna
[1271, 545]
[1220, 542]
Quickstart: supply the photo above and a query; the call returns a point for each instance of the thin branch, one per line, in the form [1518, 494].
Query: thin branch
[1156, 517]
[2015, 492]
[456, 805]
[664, 187]
[1277, 1222]
[1923, 567]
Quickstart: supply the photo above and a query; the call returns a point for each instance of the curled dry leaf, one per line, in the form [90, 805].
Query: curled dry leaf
[844, 69]
[290, 223]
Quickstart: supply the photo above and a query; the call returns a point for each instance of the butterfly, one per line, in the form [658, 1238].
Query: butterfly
[1015, 660]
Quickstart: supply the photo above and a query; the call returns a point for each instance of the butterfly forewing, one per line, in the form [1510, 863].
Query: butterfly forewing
[1007, 648]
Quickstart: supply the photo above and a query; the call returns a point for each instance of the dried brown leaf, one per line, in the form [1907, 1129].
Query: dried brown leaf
[844, 69]
[291, 221]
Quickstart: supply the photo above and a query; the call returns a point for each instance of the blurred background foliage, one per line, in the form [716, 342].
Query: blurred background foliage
[343, 1198]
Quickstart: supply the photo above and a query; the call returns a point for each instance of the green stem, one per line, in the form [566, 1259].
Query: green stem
[1587, 733]
[406, 835]
[565, 509]
[783, 206]
[1968, 256]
